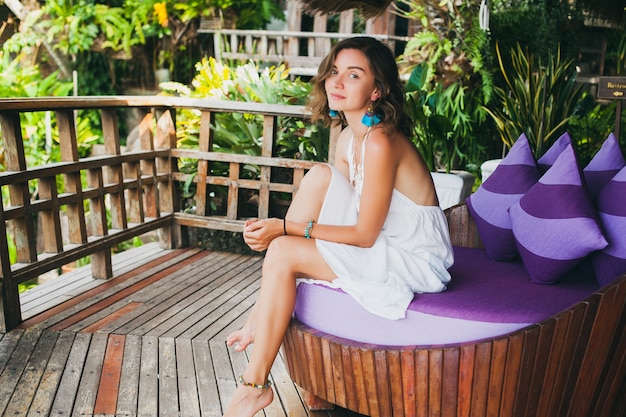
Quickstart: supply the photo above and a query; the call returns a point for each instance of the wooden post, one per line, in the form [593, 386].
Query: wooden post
[14, 159]
[171, 237]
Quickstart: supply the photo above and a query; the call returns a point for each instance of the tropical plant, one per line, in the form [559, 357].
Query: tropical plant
[449, 82]
[537, 99]
[243, 133]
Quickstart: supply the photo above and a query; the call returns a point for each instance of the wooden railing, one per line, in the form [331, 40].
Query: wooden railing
[281, 47]
[111, 198]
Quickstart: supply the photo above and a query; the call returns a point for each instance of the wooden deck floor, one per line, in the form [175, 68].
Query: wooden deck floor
[148, 342]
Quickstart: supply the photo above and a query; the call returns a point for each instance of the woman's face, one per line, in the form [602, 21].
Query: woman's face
[350, 86]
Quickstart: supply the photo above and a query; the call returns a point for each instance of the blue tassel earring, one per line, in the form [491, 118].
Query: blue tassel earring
[333, 113]
[370, 118]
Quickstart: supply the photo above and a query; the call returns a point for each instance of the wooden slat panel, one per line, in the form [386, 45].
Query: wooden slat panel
[51, 378]
[435, 381]
[11, 374]
[396, 382]
[28, 382]
[422, 380]
[529, 349]
[108, 388]
[480, 386]
[208, 394]
[450, 382]
[50, 219]
[68, 387]
[327, 361]
[90, 379]
[360, 390]
[466, 376]
[601, 343]
[540, 364]
[496, 376]
[147, 404]
[511, 373]
[407, 361]
[129, 379]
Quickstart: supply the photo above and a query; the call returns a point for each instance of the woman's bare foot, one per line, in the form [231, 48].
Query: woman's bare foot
[241, 338]
[247, 401]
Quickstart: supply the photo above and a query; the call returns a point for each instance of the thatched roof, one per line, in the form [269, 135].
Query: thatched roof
[369, 8]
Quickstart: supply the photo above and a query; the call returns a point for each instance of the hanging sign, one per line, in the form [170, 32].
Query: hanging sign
[613, 88]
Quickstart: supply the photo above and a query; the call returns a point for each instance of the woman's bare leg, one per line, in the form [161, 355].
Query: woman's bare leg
[306, 205]
[287, 258]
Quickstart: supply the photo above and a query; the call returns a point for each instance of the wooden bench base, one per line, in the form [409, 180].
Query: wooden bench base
[570, 365]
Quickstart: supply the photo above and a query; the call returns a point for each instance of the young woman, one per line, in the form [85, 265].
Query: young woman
[370, 224]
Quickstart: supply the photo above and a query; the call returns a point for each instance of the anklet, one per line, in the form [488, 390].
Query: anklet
[250, 384]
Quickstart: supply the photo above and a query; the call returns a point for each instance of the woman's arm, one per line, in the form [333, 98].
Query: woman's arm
[380, 168]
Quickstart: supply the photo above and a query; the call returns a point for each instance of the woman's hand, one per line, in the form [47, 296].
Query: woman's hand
[258, 234]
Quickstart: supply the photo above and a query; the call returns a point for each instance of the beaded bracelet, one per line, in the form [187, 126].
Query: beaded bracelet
[253, 385]
[309, 227]
[285, 226]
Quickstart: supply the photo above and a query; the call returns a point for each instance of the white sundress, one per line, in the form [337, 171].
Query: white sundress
[411, 255]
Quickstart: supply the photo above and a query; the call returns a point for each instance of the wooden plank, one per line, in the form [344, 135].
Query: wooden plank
[129, 379]
[108, 299]
[147, 401]
[511, 373]
[225, 373]
[200, 310]
[286, 390]
[450, 382]
[209, 396]
[64, 400]
[422, 380]
[466, 376]
[90, 378]
[187, 384]
[407, 363]
[66, 309]
[496, 376]
[159, 298]
[16, 366]
[51, 378]
[31, 376]
[435, 381]
[108, 387]
[116, 301]
[168, 379]
[8, 343]
[480, 386]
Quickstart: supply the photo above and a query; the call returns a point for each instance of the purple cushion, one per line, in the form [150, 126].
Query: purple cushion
[604, 165]
[550, 156]
[490, 203]
[610, 263]
[555, 224]
[484, 299]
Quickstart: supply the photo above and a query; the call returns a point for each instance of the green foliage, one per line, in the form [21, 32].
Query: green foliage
[591, 123]
[449, 84]
[243, 133]
[537, 100]
[539, 26]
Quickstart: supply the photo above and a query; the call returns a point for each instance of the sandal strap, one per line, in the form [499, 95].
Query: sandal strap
[243, 382]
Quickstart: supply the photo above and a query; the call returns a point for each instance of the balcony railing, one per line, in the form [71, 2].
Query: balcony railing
[118, 195]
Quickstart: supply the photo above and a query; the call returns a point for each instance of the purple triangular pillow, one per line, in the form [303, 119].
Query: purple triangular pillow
[489, 205]
[550, 156]
[604, 165]
[610, 262]
[555, 223]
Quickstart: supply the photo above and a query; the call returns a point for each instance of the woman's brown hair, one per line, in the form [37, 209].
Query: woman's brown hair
[391, 104]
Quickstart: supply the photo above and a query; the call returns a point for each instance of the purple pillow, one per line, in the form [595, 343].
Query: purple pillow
[490, 203]
[550, 156]
[555, 224]
[610, 263]
[604, 165]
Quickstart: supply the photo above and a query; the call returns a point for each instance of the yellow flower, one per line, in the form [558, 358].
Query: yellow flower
[160, 11]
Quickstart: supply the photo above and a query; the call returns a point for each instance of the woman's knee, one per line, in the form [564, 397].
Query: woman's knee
[317, 178]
